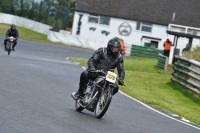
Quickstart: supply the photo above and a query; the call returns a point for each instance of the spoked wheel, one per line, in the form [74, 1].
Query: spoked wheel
[103, 103]
[9, 48]
[8, 51]
[78, 107]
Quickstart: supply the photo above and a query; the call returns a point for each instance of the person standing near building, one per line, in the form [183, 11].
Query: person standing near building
[122, 52]
[187, 48]
[167, 46]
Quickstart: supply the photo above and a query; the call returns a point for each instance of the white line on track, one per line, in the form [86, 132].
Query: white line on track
[158, 111]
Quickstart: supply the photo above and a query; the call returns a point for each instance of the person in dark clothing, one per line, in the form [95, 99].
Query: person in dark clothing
[14, 33]
[187, 48]
[103, 59]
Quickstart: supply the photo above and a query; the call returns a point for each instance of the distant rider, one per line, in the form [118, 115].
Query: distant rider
[103, 59]
[14, 33]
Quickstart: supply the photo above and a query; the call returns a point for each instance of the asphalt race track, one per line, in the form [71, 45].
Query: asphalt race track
[35, 86]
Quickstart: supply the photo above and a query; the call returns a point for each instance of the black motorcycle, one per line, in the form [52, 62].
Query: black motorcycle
[10, 44]
[98, 93]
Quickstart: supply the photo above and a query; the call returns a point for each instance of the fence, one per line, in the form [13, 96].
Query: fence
[162, 62]
[144, 51]
[187, 73]
[24, 22]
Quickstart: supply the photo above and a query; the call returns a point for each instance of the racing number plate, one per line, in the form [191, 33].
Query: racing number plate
[111, 77]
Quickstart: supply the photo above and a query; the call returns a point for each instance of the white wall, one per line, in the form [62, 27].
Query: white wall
[158, 31]
[64, 37]
[73, 40]
[24, 22]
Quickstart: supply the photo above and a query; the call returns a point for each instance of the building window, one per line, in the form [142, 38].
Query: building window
[193, 32]
[141, 26]
[104, 20]
[93, 19]
[99, 19]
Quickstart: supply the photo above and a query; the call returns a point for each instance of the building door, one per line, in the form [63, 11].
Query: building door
[151, 44]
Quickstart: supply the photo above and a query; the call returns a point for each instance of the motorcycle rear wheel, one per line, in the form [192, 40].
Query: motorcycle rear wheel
[102, 106]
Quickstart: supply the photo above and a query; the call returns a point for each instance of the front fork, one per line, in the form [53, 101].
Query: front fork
[104, 94]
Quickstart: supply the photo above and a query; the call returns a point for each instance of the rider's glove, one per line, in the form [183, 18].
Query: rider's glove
[120, 82]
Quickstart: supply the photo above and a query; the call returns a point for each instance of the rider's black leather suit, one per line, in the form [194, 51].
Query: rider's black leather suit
[102, 59]
[14, 33]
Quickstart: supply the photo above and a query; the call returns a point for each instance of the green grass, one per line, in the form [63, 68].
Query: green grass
[195, 54]
[143, 81]
[29, 35]
[25, 34]
[153, 86]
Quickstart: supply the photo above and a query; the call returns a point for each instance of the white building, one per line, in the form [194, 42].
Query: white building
[138, 22]
[94, 28]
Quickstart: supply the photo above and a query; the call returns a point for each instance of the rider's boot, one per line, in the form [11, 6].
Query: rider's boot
[5, 49]
[13, 47]
[79, 93]
[75, 96]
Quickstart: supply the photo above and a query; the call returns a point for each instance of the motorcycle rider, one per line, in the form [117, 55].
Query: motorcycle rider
[103, 59]
[14, 33]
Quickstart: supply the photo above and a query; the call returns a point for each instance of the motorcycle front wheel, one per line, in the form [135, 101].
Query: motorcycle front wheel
[9, 48]
[103, 103]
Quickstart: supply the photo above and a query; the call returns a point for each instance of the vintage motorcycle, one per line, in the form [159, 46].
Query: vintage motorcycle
[98, 93]
[10, 44]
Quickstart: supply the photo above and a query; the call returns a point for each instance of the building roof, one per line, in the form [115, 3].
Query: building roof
[187, 12]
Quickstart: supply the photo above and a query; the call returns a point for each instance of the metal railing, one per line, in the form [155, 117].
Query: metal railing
[187, 74]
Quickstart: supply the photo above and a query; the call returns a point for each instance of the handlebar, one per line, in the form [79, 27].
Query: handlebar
[11, 38]
[102, 71]
[98, 71]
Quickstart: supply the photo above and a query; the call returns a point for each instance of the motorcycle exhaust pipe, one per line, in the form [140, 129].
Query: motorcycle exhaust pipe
[91, 100]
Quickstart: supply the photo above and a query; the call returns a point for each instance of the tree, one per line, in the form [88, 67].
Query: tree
[5, 6]
[65, 3]
[68, 7]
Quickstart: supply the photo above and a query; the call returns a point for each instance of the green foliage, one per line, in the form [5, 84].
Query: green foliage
[24, 34]
[195, 54]
[143, 81]
[30, 35]
[5, 6]
[47, 11]
[64, 2]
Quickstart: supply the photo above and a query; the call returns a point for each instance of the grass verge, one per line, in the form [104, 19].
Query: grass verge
[29, 35]
[25, 34]
[154, 87]
[143, 81]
